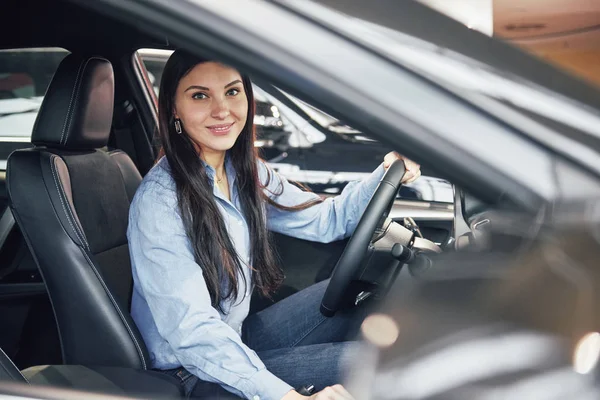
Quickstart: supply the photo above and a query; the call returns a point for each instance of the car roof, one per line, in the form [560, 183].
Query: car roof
[57, 23]
[420, 21]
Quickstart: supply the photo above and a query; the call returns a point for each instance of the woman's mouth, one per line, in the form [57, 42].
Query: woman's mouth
[221, 129]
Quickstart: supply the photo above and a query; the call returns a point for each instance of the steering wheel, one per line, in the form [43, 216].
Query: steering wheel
[377, 211]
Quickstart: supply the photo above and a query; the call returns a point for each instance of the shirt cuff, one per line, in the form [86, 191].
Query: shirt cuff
[268, 386]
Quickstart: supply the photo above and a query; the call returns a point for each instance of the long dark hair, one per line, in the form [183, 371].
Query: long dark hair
[204, 225]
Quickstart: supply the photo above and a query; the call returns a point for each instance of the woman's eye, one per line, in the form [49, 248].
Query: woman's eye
[233, 92]
[199, 95]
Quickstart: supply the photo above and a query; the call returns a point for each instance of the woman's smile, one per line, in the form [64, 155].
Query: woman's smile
[220, 129]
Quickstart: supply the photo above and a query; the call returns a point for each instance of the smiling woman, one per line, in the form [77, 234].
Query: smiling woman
[199, 245]
[212, 115]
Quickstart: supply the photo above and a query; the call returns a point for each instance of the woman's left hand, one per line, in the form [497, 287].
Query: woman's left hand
[413, 170]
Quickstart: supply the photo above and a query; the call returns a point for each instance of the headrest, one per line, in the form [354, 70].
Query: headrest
[76, 112]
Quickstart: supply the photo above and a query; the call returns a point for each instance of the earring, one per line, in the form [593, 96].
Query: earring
[178, 126]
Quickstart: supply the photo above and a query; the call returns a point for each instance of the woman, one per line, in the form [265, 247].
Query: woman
[198, 237]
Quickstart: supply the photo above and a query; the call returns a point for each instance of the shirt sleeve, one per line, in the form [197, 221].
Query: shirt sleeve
[173, 285]
[333, 219]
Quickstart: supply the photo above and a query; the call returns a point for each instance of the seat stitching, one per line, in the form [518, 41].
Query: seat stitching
[71, 101]
[13, 364]
[77, 95]
[70, 216]
[141, 354]
[67, 210]
[78, 227]
[115, 304]
[28, 241]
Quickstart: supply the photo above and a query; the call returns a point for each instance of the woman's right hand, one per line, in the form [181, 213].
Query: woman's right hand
[335, 392]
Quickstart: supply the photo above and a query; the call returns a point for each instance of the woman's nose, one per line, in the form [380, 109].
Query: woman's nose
[220, 109]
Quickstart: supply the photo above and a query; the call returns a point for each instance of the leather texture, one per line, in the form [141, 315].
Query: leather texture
[8, 370]
[71, 203]
[106, 380]
[77, 110]
[131, 175]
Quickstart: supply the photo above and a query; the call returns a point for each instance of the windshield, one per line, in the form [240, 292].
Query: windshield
[328, 122]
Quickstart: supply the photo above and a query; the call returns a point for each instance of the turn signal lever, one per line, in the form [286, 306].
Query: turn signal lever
[418, 262]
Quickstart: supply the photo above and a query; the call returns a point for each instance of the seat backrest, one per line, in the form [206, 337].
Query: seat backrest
[71, 201]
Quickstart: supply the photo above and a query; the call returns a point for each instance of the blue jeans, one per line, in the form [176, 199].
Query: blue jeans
[295, 342]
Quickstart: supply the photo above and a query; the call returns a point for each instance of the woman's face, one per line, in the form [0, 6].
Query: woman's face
[211, 103]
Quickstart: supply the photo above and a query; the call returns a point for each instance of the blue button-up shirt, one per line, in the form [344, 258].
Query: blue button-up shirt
[171, 304]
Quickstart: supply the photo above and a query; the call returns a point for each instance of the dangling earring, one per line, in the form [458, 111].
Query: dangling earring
[178, 126]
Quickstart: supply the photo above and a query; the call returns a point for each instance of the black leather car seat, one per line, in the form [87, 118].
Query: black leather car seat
[105, 380]
[71, 200]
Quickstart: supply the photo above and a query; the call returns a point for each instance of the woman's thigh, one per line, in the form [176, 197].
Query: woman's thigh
[297, 321]
[320, 365]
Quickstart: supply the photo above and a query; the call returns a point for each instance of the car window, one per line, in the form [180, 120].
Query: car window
[24, 77]
[308, 146]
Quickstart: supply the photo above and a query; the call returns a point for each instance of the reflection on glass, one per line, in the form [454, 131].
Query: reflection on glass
[587, 352]
[380, 330]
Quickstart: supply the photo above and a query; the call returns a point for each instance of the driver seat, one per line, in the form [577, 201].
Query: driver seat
[70, 198]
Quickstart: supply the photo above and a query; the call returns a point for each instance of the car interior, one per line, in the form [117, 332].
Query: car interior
[65, 273]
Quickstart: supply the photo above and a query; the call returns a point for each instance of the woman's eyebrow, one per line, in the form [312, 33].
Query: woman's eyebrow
[197, 88]
[233, 83]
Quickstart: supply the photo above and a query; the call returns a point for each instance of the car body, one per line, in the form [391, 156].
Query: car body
[518, 138]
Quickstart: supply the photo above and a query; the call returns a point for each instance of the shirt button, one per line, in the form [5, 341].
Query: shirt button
[255, 397]
[240, 223]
